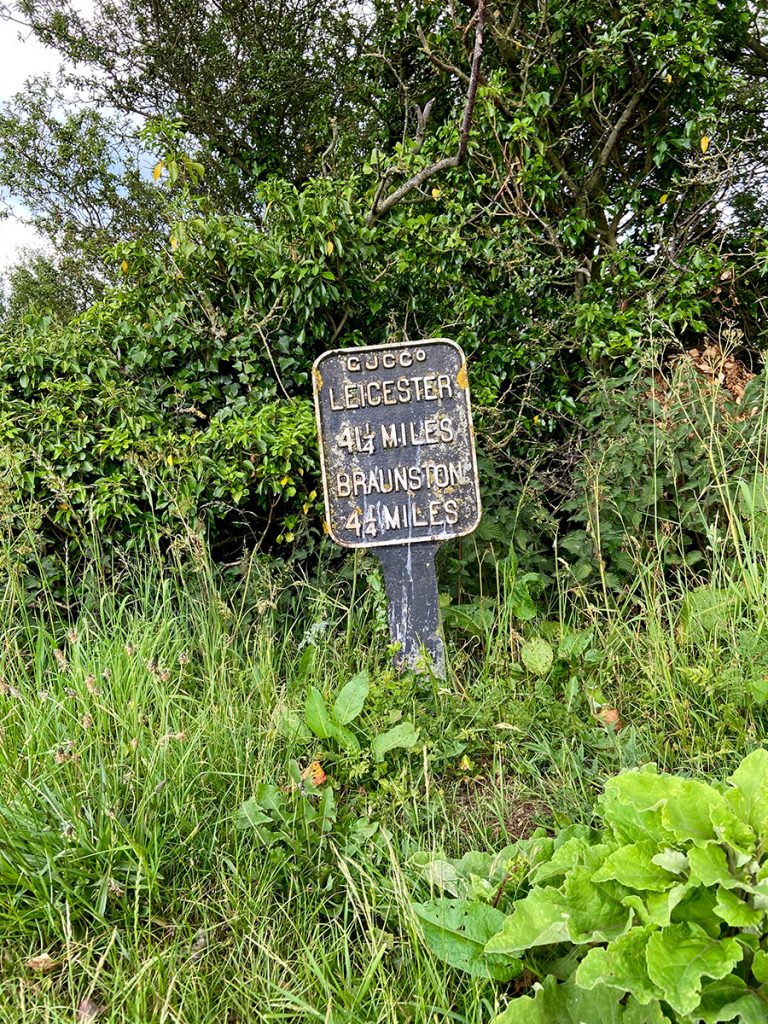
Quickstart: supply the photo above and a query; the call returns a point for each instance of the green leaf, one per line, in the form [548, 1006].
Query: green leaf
[672, 860]
[574, 644]
[760, 966]
[521, 602]
[442, 875]
[291, 726]
[473, 619]
[404, 734]
[346, 739]
[318, 716]
[733, 830]
[634, 867]
[326, 810]
[596, 911]
[749, 796]
[730, 1000]
[709, 866]
[457, 931]
[251, 815]
[736, 912]
[538, 920]
[704, 610]
[680, 956]
[621, 965]
[565, 857]
[322, 724]
[687, 810]
[697, 907]
[350, 699]
[566, 1003]
[632, 805]
[537, 656]
[269, 798]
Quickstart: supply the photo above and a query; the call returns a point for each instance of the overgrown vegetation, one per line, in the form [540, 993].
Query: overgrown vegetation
[218, 800]
[545, 185]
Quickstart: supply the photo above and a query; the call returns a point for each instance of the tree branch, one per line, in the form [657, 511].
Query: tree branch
[380, 207]
[441, 65]
[613, 137]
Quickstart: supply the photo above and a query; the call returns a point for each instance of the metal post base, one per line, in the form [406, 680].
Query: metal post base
[414, 617]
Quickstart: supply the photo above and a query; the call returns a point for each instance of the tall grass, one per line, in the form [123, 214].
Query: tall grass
[140, 711]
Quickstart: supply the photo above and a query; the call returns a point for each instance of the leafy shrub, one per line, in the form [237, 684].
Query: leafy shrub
[667, 468]
[339, 728]
[658, 914]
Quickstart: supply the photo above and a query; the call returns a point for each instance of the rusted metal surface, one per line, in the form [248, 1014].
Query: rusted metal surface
[396, 444]
[399, 472]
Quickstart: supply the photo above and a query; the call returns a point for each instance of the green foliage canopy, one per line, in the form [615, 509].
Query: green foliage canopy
[582, 228]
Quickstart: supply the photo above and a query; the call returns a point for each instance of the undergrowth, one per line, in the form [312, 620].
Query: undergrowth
[217, 796]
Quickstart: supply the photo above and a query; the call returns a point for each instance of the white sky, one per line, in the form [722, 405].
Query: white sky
[20, 58]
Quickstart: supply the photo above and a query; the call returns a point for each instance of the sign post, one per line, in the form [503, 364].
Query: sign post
[399, 471]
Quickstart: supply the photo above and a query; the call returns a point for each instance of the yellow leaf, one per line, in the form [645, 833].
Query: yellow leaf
[436, 193]
[174, 243]
[124, 266]
[158, 170]
[704, 143]
[285, 480]
[668, 79]
[329, 247]
[664, 198]
[170, 460]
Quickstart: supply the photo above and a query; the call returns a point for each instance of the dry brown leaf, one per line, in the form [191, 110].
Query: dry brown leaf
[610, 717]
[89, 1010]
[43, 962]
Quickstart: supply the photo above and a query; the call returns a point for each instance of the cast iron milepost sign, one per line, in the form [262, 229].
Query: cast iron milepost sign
[399, 470]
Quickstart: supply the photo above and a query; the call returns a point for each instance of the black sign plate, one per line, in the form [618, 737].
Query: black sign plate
[396, 443]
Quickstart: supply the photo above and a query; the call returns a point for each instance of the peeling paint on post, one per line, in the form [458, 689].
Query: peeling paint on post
[399, 471]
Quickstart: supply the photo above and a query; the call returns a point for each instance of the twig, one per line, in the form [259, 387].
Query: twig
[440, 64]
[340, 326]
[381, 207]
